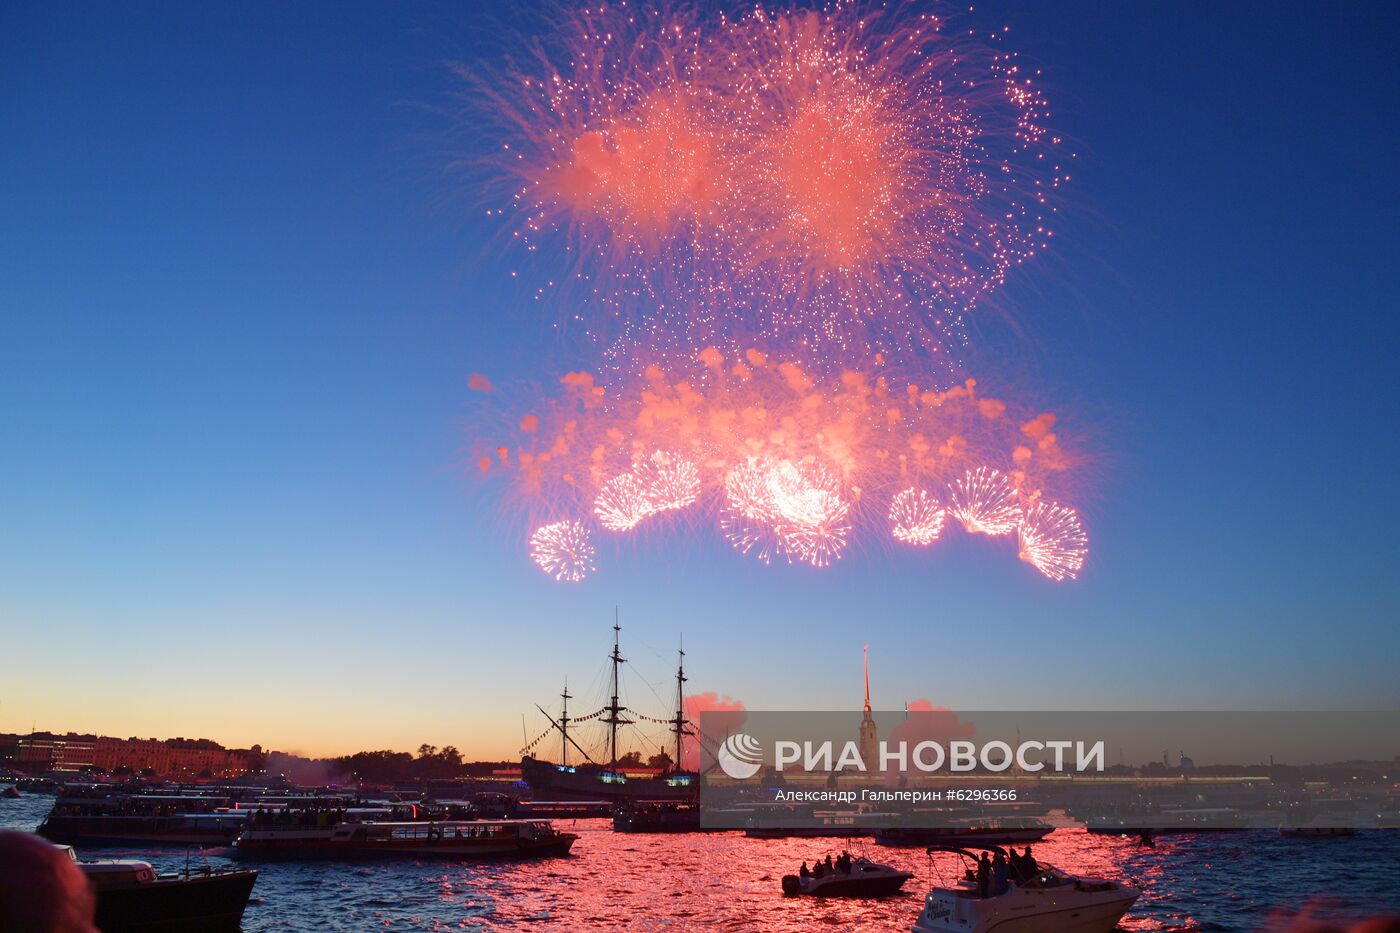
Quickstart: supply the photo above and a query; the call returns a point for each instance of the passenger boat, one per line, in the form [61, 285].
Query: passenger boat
[1050, 901]
[657, 818]
[1315, 831]
[906, 836]
[451, 839]
[88, 818]
[124, 829]
[864, 878]
[131, 896]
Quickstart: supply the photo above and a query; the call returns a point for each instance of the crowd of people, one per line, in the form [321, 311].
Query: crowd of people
[995, 874]
[320, 817]
[822, 868]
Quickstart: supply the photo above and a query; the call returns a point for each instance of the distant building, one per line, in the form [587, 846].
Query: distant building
[178, 759]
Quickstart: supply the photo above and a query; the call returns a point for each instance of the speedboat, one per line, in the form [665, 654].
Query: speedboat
[131, 896]
[864, 878]
[1050, 901]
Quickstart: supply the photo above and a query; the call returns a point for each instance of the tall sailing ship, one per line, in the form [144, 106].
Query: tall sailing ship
[586, 779]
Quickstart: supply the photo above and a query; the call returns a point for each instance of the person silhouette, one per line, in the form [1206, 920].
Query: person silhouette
[42, 890]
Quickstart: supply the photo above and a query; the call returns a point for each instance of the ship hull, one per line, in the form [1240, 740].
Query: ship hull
[555, 782]
[208, 903]
[913, 837]
[303, 848]
[99, 831]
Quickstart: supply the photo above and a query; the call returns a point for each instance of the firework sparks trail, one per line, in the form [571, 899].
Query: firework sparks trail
[916, 517]
[1053, 540]
[563, 550]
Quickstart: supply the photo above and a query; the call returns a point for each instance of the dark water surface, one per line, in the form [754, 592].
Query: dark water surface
[1213, 882]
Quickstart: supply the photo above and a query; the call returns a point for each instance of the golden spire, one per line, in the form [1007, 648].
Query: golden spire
[867, 678]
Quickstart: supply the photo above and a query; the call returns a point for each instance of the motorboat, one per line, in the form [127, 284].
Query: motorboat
[1049, 901]
[861, 878]
[132, 896]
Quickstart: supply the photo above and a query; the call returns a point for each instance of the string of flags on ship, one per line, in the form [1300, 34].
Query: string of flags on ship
[596, 713]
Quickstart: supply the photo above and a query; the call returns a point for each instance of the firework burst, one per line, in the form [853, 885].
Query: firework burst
[985, 500]
[622, 503]
[786, 463]
[774, 225]
[1053, 540]
[916, 517]
[563, 550]
[842, 180]
[795, 509]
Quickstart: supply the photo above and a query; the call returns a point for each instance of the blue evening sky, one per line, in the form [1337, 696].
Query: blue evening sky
[240, 297]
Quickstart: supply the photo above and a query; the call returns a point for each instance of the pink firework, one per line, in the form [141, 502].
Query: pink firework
[622, 503]
[784, 460]
[670, 480]
[749, 517]
[563, 550]
[1053, 540]
[794, 508]
[845, 179]
[985, 501]
[916, 517]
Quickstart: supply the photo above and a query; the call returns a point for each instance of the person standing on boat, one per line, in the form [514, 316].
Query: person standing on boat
[984, 875]
[803, 872]
[1028, 865]
[999, 874]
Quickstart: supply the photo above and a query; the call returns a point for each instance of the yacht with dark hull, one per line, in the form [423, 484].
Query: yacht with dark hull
[133, 898]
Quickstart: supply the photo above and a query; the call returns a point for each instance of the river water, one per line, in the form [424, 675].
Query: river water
[725, 881]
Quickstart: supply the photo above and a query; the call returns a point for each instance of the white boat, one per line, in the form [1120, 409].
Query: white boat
[863, 878]
[1050, 901]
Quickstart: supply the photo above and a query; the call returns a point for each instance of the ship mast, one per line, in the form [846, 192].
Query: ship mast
[680, 722]
[564, 725]
[614, 709]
